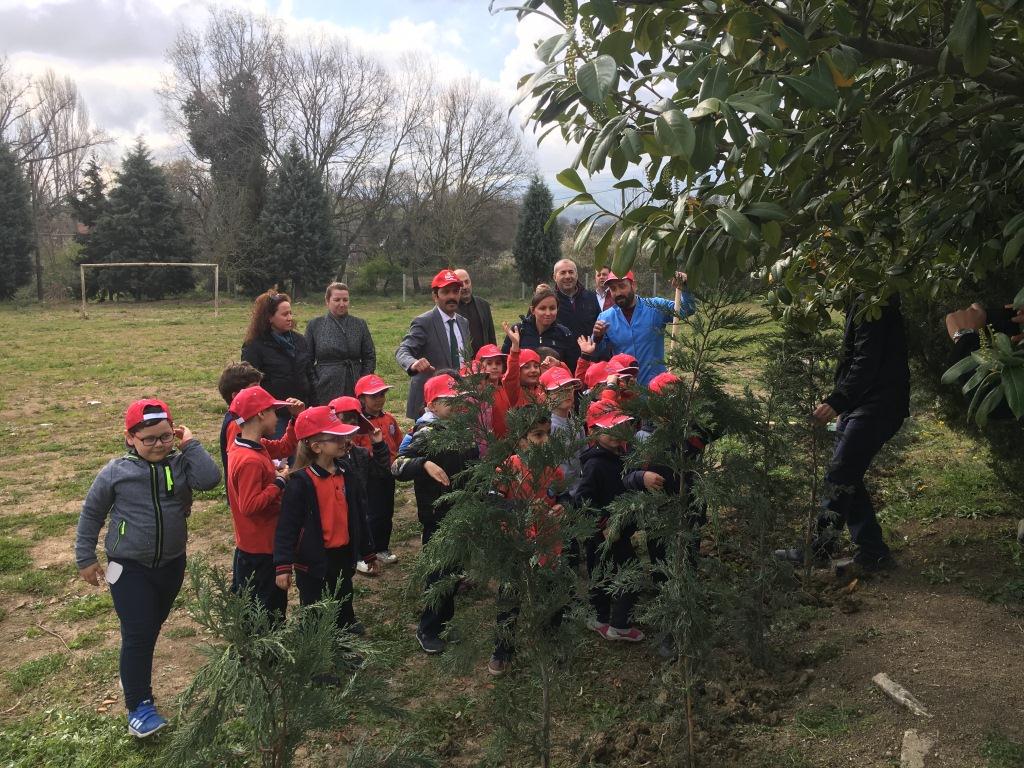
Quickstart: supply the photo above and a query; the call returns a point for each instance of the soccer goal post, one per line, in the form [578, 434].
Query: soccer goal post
[216, 276]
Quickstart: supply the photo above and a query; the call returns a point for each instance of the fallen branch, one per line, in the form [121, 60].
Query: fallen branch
[51, 632]
[899, 694]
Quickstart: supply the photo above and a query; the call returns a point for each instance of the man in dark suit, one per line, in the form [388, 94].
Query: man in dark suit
[436, 339]
[577, 306]
[476, 311]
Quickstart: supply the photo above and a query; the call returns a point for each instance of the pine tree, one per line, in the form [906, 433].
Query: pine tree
[142, 222]
[536, 248]
[15, 226]
[89, 203]
[297, 243]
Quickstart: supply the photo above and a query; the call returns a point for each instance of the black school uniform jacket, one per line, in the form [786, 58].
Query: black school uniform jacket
[602, 479]
[286, 372]
[299, 540]
[413, 455]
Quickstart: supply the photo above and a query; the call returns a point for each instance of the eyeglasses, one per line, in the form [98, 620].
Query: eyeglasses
[150, 440]
[336, 439]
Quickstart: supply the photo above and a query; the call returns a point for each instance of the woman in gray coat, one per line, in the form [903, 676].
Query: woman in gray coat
[340, 345]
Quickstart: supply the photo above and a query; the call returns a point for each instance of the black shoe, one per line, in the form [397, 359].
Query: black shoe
[431, 645]
[795, 555]
[856, 567]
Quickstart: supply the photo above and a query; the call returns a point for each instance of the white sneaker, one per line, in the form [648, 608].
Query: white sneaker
[387, 557]
[363, 567]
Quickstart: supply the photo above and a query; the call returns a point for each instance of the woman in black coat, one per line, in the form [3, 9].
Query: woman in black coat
[540, 328]
[274, 348]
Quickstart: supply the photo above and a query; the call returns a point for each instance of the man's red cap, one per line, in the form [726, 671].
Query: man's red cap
[604, 414]
[444, 278]
[371, 384]
[488, 351]
[625, 360]
[134, 416]
[662, 382]
[347, 404]
[621, 370]
[528, 356]
[595, 374]
[556, 377]
[439, 386]
[252, 401]
[613, 276]
[321, 420]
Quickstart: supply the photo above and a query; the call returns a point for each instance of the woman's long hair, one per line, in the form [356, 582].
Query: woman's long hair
[263, 308]
[304, 454]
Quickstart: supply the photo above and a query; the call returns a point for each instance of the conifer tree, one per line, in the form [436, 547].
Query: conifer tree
[15, 226]
[536, 245]
[297, 242]
[89, 204]
[142, 222]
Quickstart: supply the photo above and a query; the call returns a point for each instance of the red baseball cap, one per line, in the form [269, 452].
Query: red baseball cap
[488, 351]
[557, 377]
[135, 416]
[252, 401]
[627, 276]
[321, 420]
[528, 356]
[371, 384]
[625, 360]
[621, 370]
[348, 404]
[660, 383]
[604, 414]
[444, 278]
[596, 373]
[439, 386]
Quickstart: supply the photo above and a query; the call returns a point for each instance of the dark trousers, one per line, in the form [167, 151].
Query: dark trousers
[257, 573]
[696, 517]
[380, 493]
[508, 615]
[434, 619]
[611, 609]
[337, 582]
[143, 598]
[858, 441]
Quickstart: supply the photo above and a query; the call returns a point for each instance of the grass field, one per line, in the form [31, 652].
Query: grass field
[948, 624]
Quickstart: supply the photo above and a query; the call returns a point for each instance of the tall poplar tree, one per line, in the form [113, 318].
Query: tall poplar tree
[15, 226]
[536, 248]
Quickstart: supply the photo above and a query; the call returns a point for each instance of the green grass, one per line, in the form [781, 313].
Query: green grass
[86, 607]
[34, 673]
[1000, 751]
[86, 639]
[13, 555]
[72, 739]
[826, 720]
[40, 583]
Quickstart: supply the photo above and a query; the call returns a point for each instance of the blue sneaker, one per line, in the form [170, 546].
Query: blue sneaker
[144, 720]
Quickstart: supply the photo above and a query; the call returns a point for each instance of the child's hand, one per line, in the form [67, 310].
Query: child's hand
[295, 406]
[587, 345]
[438, 474]
[183, 433]
[283, 581]
[512, 332]
[92, 573]
[548, 362]
[282, 471]
[653, 481]
[377, 436]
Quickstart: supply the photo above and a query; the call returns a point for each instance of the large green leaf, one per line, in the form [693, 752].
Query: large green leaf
[964, 28]
[625, 253]
[605, 141]
[547, 49]
[1013, 385]
[795, 41]
[766, 211]
[705, 148]
[900, 161]
[618, 45]
[813, 91]
[1012, 249]
[595, 78]
[735, 223]
[605, 10]
[675, 133]
[716, 84]
[569, 178]
[687, 79]
[958, 369]
[990, 402]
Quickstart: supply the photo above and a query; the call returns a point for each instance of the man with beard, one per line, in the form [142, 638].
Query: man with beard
[577, 306]
[439, 338]
[476, 311]
[636, 326]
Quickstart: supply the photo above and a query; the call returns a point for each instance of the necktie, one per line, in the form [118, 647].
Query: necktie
[453, 343]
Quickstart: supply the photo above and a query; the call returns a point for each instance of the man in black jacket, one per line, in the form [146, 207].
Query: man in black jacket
[577, 306]
[476, 311]
[871, 399]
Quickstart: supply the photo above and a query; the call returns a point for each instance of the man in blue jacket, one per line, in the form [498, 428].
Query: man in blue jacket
[636, 325]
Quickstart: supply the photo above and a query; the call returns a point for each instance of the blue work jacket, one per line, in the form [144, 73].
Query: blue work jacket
[644, 336]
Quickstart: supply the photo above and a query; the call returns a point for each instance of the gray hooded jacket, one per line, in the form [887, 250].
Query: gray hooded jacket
[147, 504]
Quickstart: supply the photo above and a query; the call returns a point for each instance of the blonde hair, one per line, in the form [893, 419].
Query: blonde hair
[304, 453]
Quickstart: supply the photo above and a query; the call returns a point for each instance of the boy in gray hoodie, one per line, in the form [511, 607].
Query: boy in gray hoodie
[147, 493]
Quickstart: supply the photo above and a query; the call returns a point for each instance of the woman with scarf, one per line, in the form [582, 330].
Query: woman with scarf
[341, 347]
[273, 347]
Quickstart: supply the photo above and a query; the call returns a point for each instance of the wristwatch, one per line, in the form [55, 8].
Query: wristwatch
[964, 332]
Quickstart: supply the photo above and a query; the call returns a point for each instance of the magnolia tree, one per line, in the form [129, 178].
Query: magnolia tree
[824, 144]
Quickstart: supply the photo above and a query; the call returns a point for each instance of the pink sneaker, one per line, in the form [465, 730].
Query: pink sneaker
[600, 627]
[630, 635]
